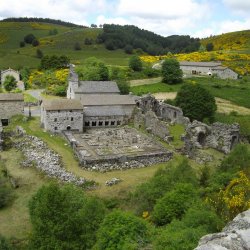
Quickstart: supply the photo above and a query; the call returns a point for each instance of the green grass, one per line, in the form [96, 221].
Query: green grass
[176, 131]
[236, 91]
[29, 98]
[61, 44]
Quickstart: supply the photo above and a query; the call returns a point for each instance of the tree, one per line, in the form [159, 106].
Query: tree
[135, 63]
[123, 86]
[209, 46]
[64, 218]
[39, 53]
[77, 46]
[128, 49]
[88, 41]
[196, 102]
[171, 72]
[10, 83]
[174, 204]
[121, 230]
[35, 43]
[29, 38]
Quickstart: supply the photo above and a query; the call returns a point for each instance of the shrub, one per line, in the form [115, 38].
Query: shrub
[120, 230]
[29, 38]
[10, 83]
[171, 72]
[174, 204]
[135, 63]
[196, 102]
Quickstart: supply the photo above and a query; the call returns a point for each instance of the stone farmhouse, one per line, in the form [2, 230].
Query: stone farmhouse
[207, 68]
[99, 103]
[10, 104]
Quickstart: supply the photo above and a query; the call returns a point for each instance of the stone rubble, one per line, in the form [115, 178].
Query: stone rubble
[112, 182]
[38, 154]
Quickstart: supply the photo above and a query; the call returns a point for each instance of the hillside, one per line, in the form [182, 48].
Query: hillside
[62, 43]
[233, 41]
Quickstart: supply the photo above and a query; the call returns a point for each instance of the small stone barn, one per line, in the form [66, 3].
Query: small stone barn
[62, 114]
[10, 104]
[207, 68]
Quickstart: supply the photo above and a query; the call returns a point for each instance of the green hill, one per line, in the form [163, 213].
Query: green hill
[12, 55]
[234, 41]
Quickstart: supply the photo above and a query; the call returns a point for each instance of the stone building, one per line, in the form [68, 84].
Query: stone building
[10, 72]
[61, 114]
[10, 104]
[1, 141]
[207, 68]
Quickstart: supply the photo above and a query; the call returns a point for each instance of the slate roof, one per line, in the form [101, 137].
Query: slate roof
[11, 97]
[219, 68]
[104, 111]
[97, 87]
[106, 100]
[200, 64]
[62, 104]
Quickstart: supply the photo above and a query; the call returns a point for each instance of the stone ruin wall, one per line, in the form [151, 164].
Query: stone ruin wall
[154, 116]
[222, 137]
[1, 141]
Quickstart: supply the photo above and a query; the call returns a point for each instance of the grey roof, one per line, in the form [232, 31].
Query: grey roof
[219, 68]
[106, 100]
[97, 87]
[104, 111]
[11, 97]
[62, 104]
[200, 64]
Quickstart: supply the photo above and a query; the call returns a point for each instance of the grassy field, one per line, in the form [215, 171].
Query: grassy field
[236, 91]
[60, 44]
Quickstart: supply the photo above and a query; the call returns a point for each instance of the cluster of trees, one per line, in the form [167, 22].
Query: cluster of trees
[54, 62]
[29, 39]
[130, 37]
[41, 20]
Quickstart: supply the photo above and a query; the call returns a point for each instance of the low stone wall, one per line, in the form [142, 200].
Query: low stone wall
[39, 155]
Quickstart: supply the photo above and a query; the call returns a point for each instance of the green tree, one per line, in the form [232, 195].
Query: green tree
[10, 83]
[209, 46]
[171, 72]
[123, 86]
[64, 218]
[174, 204]
[196, 102]
[29, 38]
[135, 63]
[35, 43]
[120, 231]
[39, 53]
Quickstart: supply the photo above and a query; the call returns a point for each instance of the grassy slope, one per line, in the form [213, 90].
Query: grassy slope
[11, 55]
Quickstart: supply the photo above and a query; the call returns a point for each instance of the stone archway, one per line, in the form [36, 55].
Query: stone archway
[68, 128]
[201, 138]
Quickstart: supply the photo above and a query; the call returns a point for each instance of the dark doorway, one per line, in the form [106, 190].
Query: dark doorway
[234, 141]
[5, 122]
[68, 128]
[201, 138]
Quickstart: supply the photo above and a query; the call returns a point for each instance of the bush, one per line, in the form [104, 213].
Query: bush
[120, 230]
[171, 72]
[135, 63]
[10, 83]
[196, 102]
[77, 46]
[29, 38]
[128, 49]
[64, 218]
[22, 44]
[123, 86]
[35, 43]
[174, 204]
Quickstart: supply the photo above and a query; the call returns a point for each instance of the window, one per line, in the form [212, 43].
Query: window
[72, 118]
[118, 123]
[100, 123]
[55, 120]
[93, 124]
[112, 123]
[70, 111]
[68, 128]
[5, 122]
[55, 128]
[106, 123]
[86, 124]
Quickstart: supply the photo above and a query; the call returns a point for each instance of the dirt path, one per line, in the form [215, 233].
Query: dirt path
[144, 81]
[224, 106]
